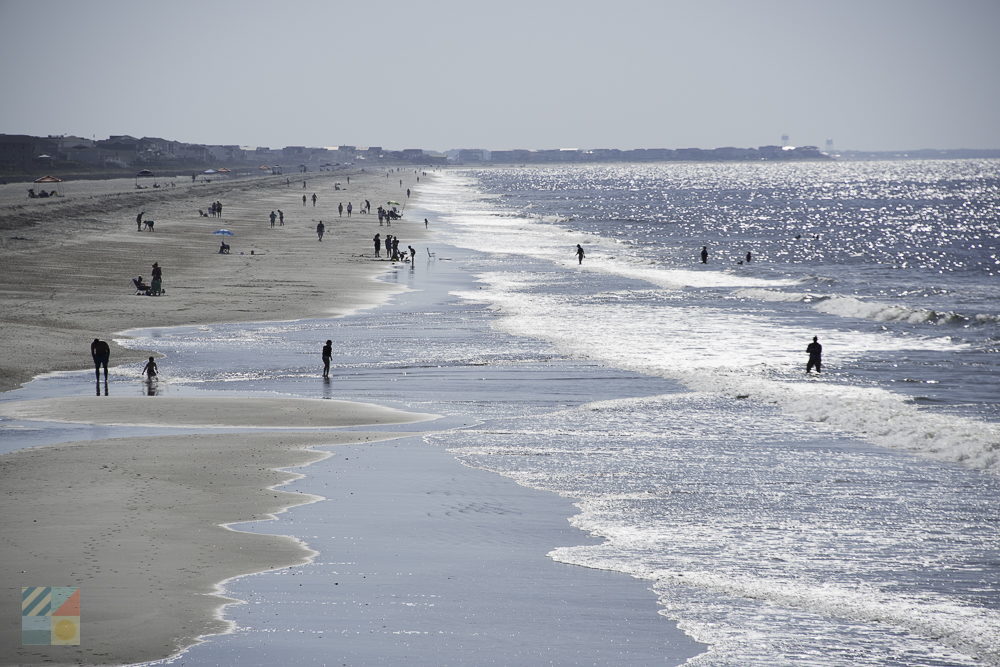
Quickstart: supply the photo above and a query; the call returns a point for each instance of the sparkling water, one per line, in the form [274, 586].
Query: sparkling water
[841, 519]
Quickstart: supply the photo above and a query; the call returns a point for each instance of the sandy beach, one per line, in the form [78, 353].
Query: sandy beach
[139, 522]
[69, 260]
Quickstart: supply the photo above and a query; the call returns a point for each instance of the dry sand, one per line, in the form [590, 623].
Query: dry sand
[68, 261]
[135, 522]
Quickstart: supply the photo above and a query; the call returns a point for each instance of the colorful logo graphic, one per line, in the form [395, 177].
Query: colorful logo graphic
[50, 615]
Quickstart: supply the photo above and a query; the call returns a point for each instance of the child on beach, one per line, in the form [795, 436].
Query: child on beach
[149, 370]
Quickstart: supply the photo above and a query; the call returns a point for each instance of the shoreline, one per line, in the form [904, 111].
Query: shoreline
[449, 498]
[68, 264]
[51, 325]
[144, 527]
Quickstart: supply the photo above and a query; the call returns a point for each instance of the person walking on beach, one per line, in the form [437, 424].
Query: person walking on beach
[425, 223]
[149, 370]
[340, 209]
[377, 240]
[407, 193]
[704, 254]
[413, 254]
[101, 352]
[273, 216]
[368, 206]
[350, 208]
[815, 351]
[327, 354]
[138, 221]
[281, 218]
[579, 253]
[320, 228]
[303, 200]
[749, 257]
[314, 199]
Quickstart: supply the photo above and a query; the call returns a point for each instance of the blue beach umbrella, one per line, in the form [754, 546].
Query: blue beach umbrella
[224, 232]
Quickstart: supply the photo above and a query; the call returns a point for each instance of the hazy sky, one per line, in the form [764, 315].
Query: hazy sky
[869, 74]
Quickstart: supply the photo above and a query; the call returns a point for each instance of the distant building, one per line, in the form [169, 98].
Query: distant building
[471, 156]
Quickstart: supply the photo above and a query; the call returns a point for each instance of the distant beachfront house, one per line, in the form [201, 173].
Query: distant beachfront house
[119, 150]
[514, 156]
[21, 151]
[413, 154]
[470, 155]
[262, 154]
[228, 154]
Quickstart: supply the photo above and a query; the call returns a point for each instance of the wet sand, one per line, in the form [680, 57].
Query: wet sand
[138, 525]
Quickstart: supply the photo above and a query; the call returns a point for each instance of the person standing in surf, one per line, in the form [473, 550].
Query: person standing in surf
[327, 354]
[704, 254]
[579, 253]
[101, 352]
[815, 351]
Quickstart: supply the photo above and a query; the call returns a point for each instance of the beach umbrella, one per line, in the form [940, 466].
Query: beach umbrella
[224, 232]
[223, 170]
[48, 179]
[393, 203]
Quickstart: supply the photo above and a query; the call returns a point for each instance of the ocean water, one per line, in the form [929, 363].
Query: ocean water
[851, 518]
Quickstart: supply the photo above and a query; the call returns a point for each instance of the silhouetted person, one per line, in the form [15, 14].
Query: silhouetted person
[579, 253]
[303, 200]
[138, 221]
[749, 257]
[327, 354]
[101, 352]
[704, 254]
[273, 216]
[377, 240]
[281, 218]
[815, 351]
[320, 228]
[425, 223]
[149, 370]
[314, 199]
